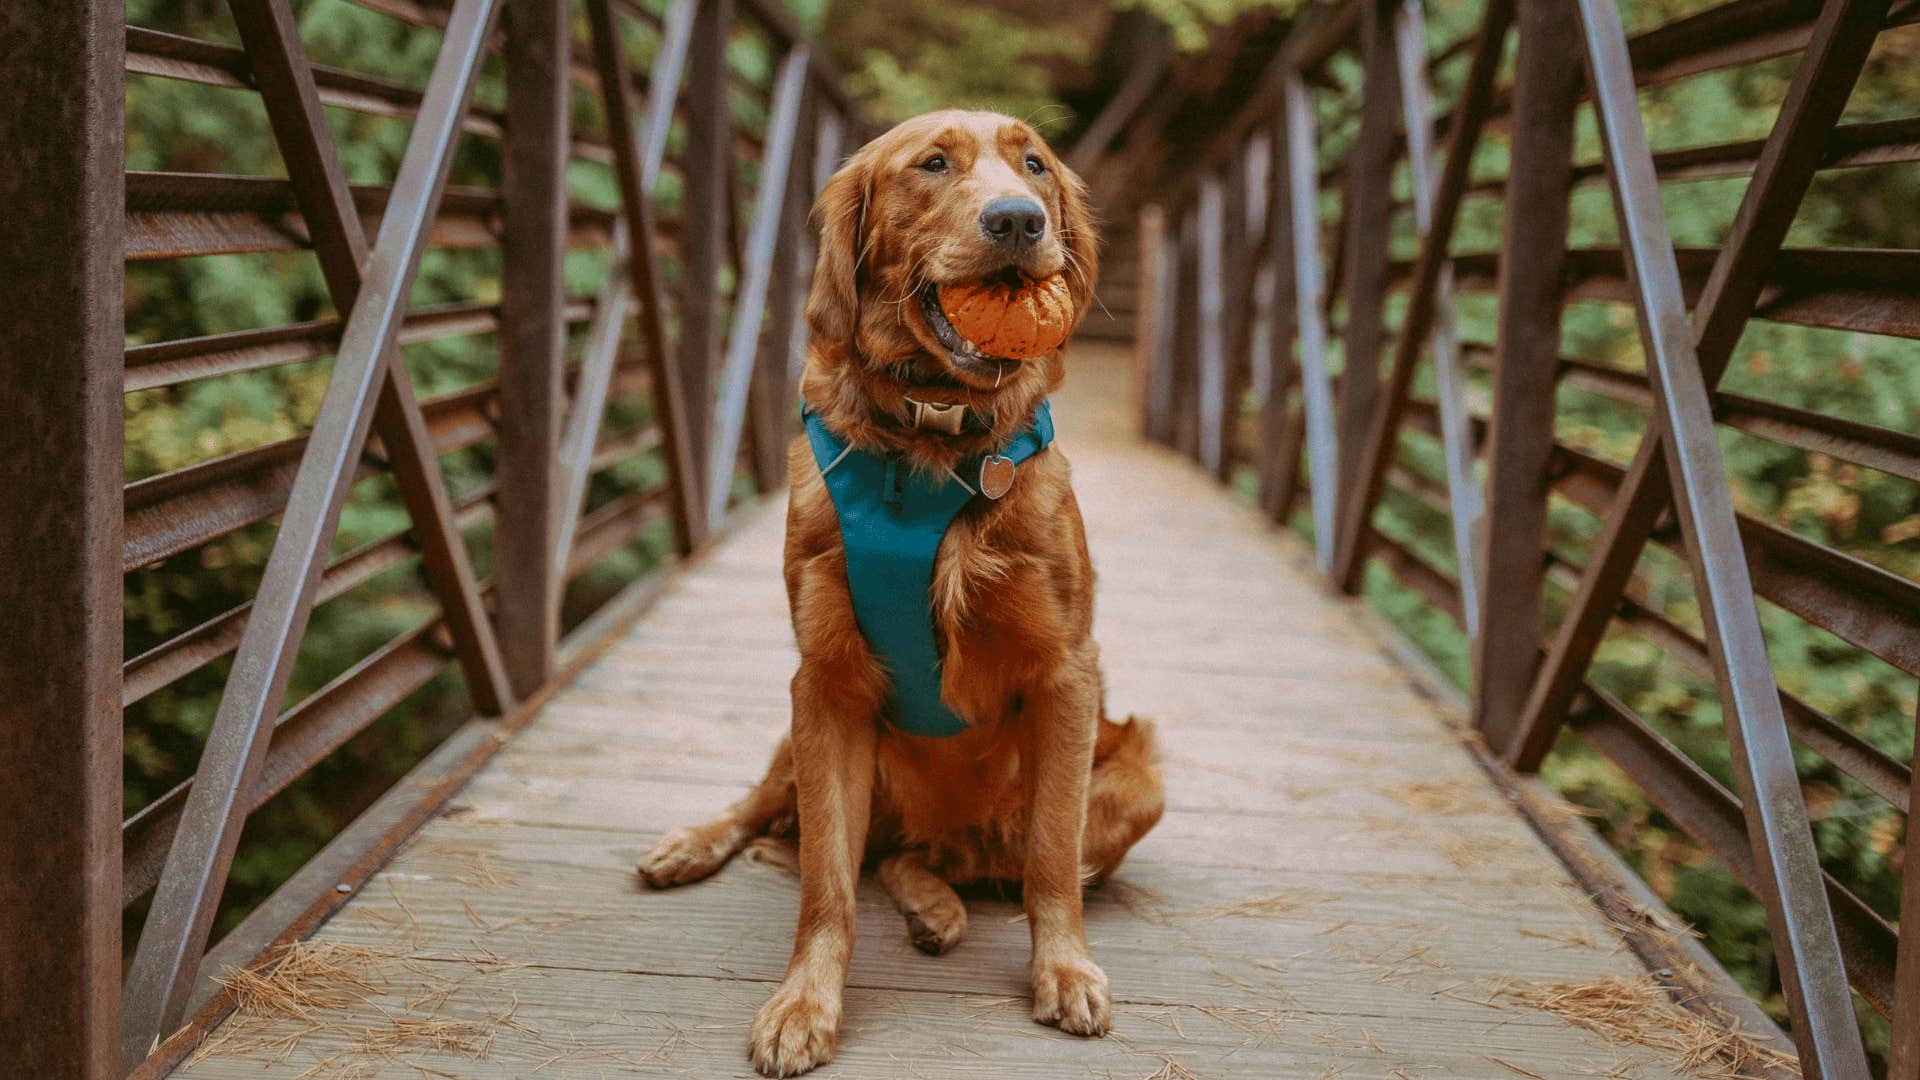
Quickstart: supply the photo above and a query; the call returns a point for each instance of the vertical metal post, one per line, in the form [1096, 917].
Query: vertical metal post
[62, 181]
[1903, 1057]
[1520, 444]
[703, 228]
[1303, 215]
[1155, 334]
[1279, 423]
[1237, 275]
[1188, 335]
[532, 339]
[1211, 407]
[1368, 217]
[828, 130]
[743, 344]
[1464, 500]
[780, 357]
[635, 163]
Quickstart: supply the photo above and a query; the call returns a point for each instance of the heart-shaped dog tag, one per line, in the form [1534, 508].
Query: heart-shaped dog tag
[996, 475]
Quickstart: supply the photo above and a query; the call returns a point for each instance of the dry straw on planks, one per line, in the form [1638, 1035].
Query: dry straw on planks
[1640, 1013]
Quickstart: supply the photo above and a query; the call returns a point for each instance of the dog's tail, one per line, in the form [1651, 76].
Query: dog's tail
[1127, 795]
[1128, 743]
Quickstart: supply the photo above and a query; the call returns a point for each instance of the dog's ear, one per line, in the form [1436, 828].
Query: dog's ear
[833, 304]
[1082, 237]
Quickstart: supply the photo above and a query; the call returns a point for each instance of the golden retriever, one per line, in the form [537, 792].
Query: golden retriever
[1039, 788]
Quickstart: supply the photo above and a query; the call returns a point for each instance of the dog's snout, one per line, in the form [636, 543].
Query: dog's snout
[1014, 221]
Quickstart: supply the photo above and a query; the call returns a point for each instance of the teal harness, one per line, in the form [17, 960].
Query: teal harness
[891, 521]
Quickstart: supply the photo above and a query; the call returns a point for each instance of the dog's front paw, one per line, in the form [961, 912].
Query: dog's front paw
[1072, 996]
[685, 855]
[794, 1032]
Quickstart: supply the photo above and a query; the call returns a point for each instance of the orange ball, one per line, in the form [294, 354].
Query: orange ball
[1017, 321]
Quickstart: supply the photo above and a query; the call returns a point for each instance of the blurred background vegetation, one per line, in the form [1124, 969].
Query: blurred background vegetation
[1055, 65]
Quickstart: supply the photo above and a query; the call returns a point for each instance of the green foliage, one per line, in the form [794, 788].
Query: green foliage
[1193, 22]
[914, 56]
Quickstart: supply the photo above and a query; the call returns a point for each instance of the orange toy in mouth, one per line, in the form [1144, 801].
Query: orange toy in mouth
[1016, 319]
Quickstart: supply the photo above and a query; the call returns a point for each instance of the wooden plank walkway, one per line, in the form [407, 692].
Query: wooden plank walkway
[1336, 888]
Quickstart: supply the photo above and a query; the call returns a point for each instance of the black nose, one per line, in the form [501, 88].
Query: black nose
[1014, 221]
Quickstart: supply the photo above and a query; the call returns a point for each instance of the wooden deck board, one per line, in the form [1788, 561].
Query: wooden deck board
[1394, 891]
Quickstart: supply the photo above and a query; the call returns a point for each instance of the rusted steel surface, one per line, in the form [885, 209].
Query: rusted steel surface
[170, 363]
[1210, 390]
[1280, 418]
[1434, 215]
[1429, 310]
[633, 167]
[287, 89]
[1824, 933]
[1815, 100]
[1864, 290]
[173, 56]
[302, 737]
[1520, 442]
[1183, 431]
[178, 847]
[1158, 246]
[1903, 1057]
[180, 510]
[1322, 439]
[419, 797]
[1873, 767]
[1848, 146]
[533, 338]
[193, 649]
[1786, 866]
[60, 345]
[1363, 259]
[703, 231]
[1714, 817]
[1248, 298]
[614, 525]
[743, 340]
[167, 960]
[180, 215]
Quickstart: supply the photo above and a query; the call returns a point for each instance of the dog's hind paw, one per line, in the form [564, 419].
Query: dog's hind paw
[938, 927]
[1072, 996]
[685, 855]
[794, 1032]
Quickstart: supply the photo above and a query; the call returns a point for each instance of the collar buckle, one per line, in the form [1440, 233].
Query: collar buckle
[933, 416]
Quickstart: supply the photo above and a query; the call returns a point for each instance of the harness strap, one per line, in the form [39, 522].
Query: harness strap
[891, 523]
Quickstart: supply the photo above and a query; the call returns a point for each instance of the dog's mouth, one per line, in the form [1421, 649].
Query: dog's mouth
[966, 357]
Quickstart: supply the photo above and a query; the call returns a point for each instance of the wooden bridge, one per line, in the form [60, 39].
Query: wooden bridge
[1359, 872]
[1338, 883]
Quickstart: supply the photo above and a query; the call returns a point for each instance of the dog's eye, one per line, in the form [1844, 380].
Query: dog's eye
[1035, 165]
[935, 164]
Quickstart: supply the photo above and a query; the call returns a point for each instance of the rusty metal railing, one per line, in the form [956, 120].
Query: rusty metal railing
[713, 368]
[1236, 279]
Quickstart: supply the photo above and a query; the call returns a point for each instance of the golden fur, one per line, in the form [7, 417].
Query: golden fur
[1040, 789]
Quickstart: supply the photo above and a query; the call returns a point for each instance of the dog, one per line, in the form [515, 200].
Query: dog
[1037, 787]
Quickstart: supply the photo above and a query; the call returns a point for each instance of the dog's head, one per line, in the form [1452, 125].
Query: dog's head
[947, 198]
